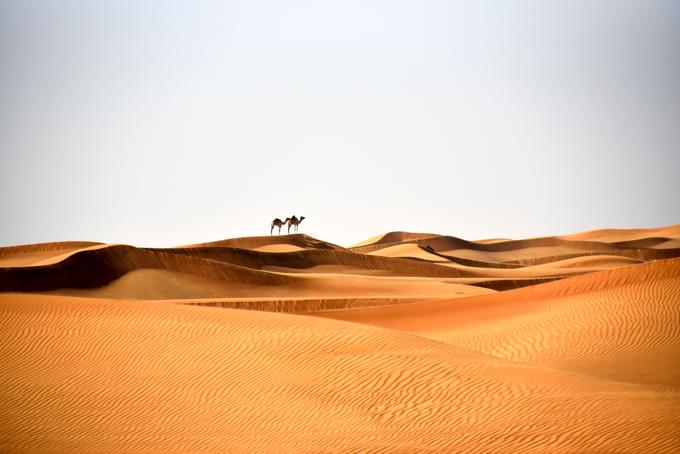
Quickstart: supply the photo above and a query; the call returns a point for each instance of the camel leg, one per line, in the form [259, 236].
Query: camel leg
[271, 232]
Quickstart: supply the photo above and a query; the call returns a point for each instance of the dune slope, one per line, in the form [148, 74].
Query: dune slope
[31, 254]
[103, 376]
[622, 324]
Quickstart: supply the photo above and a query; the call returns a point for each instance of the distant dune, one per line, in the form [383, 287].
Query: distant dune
[406, 342]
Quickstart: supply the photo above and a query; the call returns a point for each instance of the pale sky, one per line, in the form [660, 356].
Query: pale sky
[158, 123]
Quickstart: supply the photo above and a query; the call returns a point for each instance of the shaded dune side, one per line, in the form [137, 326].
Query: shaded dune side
[296, 239]
[315, 257]
[599, 260]
[100, 265]
[119, 271]
[622, 324]
[635, 254]
[501, 284]
[501, 276]
[639, 255]
[302, 305]
[599, 235]
[505, 279]
[486, 254]
[447, 243]
[155, 284]
[96, 268]
[214, 380]
[466, 261]
[567, 260]
[649, 242]
[505, 276]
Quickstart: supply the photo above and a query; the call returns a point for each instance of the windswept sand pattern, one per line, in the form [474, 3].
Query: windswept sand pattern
[119, 376]
[406, 342]
[622, 324]
[630, 332]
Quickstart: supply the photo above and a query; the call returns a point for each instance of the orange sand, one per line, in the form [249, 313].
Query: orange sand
[404, 343]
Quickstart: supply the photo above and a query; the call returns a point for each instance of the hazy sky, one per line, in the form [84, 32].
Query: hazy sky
[159, 123]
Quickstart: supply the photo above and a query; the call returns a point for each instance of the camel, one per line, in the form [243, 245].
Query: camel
[278, 223]
[295, 222]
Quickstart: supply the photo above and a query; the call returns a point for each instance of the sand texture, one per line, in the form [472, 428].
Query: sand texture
[406, 342]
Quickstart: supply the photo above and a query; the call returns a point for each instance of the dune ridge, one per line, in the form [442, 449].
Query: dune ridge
[614, 235]
[296, 239]
[31, 254]
[524, 252]
[42, 247]
[310, 258]
[113, 261]
[239, 267]
[221, 271]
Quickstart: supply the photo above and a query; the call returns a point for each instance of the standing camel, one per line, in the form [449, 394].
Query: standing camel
[278, 223]
[295, 222]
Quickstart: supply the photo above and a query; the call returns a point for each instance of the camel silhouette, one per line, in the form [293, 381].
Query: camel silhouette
[278, 223]
[295, 222]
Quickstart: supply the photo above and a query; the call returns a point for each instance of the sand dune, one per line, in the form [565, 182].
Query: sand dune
[590, 262]
[94, 268]
[622, 324]
[409, 250]
[391, 238]
[245, 269]
[492, 240]
[126, 272]
[119, 376]
[309, 259]
[526, 252]
[31, 254]
[617, 235]
[153, 284]
[406, 342]
[559, 268]
[296, 239]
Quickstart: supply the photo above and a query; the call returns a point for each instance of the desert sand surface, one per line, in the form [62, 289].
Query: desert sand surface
[406, 342]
